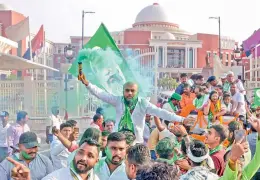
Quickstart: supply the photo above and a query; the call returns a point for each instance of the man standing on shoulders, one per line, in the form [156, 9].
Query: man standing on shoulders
[38, 164]
[14, 132]
[59, 153]
[132, 109]
[81, 168]
[112, 167]
[4, 125]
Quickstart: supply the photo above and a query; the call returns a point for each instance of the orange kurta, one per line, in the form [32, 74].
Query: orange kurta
[186, 100]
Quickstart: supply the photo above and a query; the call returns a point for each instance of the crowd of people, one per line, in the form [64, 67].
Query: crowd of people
[144, 141]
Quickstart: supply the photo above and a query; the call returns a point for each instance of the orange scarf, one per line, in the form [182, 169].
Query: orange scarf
[214, 109]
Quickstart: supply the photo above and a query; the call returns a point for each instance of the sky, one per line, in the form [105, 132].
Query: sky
[62, 18]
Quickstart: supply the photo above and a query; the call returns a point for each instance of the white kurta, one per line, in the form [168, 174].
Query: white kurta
[65, 174]
[102, 171]
[142, 108]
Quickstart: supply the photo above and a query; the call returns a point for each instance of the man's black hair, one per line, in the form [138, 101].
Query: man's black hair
[64, 125]
[232, 126]
[183, 75]
[199, 77]
[72, 122]
[221, 130]
[157, 171]
[97, 117]
[198, 149]
[186, 85]
[116, 136]
[139, 155]
[91, 142]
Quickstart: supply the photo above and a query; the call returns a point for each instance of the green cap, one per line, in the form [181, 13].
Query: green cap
[176, 97]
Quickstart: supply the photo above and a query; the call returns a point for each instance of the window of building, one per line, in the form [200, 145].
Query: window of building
[118, 41]
[208, 54]
[227, 56]
[155, 37]
[226, 63]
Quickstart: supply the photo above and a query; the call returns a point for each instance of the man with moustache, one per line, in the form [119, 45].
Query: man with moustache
[112, 167]
[81, 167]
[132, 109]
[39, 165]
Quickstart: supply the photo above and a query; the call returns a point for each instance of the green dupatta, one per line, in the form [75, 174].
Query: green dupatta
[126, 122]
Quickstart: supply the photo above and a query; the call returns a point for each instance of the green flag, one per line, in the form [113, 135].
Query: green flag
[256, 97]
[103, 63]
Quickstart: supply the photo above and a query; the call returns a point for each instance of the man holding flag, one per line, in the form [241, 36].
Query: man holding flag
[131, 109]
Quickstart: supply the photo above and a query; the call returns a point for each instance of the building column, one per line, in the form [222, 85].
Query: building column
[188, 62]
[165, 56]
[195, 58]
[186, 58]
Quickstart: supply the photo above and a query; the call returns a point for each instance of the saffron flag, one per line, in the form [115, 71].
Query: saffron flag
[36, 44]
[18, 31]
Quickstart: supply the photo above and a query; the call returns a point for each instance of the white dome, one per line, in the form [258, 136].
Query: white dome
[4, 7]
[168, 35]
[152, 13]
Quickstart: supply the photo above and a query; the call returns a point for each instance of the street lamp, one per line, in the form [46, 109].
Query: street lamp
[69, 55]
[83, 16]
[219, 30]
[237, 57]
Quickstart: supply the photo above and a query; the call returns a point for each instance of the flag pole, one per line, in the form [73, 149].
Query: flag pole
[45, 74]
[30, 46]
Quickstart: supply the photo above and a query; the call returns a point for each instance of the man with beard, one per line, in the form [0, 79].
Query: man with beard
[112, 167]
[81, 167]
[132, 109]
[39, 165]
[201, 99]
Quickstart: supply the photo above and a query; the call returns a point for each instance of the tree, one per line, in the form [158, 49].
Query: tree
[167, 83]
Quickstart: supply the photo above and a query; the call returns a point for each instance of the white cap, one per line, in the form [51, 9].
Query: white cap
[223, 76]
[230, 73]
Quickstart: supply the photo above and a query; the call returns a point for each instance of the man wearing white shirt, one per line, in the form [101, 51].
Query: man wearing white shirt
[4, 125]
[238, 101]
[231, 79]
[131, 109]
[112, 167]
[81, 168]
[54, 120]
[59, 153]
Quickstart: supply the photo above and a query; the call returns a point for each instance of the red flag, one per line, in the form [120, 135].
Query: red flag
[38, 40]
[66, 117]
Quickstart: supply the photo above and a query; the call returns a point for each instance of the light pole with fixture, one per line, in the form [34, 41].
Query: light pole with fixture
[83, 17]
[219, 30]
[69, 55]
[237, 57]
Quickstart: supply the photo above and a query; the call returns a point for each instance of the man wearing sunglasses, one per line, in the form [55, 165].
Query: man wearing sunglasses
[132, 109]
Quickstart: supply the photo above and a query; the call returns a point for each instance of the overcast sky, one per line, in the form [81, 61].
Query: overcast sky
[62, 18]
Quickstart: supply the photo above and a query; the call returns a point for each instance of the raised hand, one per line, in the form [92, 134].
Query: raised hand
[238, 149]
[189, 121]
[20, 171]
[255, 123]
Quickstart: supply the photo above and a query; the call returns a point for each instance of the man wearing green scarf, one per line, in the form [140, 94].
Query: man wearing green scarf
[173, 103]
[132, 109]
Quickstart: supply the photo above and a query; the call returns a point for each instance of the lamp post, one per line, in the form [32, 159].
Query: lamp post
[69, 55]
[83, 16]
[238, 58]
[219, 30]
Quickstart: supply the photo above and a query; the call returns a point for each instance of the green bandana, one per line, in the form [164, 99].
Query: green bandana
[216, 149]
[126, 122]
[174, 108]
[199, 102]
